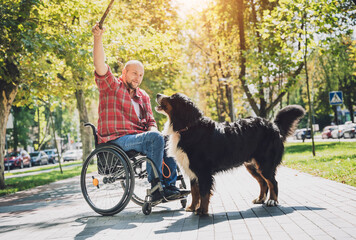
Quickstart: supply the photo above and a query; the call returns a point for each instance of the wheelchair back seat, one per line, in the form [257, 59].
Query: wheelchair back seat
[105, 165]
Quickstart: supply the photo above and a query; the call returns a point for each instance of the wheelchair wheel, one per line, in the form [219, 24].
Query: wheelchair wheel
[147, 208]
[183, 202]
[107, 180]
[141, 182]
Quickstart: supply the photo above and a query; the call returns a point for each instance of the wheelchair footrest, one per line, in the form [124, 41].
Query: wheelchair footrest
[180, 177]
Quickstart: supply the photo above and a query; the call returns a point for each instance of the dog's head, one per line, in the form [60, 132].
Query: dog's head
[180, 110]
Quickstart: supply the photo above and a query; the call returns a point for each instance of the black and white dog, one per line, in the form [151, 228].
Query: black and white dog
[204, 147]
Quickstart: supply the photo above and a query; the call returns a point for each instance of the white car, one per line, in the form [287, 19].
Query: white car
[72, 155]
[350, 131]
[338, 132]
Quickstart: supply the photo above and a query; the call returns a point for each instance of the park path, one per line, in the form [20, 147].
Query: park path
[310, 208]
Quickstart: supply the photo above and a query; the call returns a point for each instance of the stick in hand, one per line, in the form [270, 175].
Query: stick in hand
[105, 14]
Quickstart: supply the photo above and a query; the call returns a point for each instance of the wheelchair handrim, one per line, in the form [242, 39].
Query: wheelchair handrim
[127, 191]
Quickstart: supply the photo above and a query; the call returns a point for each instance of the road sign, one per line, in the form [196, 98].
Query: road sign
[335, 98]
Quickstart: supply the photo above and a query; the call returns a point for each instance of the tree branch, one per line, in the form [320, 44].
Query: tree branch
[291, 81]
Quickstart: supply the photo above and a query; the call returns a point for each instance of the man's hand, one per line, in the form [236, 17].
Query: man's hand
[97, 32]
[98, 52]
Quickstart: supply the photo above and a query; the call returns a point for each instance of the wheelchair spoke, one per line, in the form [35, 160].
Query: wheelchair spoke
[102, 177]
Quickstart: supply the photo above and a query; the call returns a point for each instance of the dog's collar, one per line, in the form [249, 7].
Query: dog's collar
[187, 127]
[183, 130]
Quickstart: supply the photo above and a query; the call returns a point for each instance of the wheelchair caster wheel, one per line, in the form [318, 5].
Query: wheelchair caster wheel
[147, 208]
[184, 203]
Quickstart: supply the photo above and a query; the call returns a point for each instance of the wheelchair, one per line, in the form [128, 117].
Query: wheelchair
[111, 177]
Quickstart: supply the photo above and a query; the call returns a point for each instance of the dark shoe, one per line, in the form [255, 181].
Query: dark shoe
[157, 197]
[182, 192]
[171, 194]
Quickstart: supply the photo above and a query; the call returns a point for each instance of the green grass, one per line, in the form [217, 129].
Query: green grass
[41, 168]
[334, 160]
[22, 183]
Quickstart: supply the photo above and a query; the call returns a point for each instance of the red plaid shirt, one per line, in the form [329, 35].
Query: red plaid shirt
[117, 116]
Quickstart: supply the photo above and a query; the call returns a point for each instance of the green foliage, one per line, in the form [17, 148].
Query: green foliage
[332, 70]
[23, 122]
[16, 32]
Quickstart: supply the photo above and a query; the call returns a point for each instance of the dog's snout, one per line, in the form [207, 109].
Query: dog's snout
[159, 95]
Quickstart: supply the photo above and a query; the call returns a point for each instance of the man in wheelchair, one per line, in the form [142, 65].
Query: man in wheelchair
[126, 118]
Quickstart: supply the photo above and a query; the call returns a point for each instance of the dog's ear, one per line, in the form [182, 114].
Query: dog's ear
[184, 112]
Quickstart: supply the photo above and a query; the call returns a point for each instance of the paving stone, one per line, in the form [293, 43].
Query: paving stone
[309, 208]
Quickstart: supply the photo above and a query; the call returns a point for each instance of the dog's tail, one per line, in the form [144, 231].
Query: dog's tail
[287, 119]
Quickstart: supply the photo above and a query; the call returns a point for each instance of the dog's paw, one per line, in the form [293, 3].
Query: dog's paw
[201, 212]
[258, 201]
[190, 209]
[271, 203]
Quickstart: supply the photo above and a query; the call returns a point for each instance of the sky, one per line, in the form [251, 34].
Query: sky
[187, 6]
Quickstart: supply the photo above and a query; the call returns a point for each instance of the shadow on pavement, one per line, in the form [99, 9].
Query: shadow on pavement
[121, 221]
[256, 212]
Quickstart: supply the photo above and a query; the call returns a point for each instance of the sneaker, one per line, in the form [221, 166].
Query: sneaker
[169, 194]
[182, 192]
[157, 197]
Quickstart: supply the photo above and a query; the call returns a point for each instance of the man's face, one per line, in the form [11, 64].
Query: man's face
[133, 75]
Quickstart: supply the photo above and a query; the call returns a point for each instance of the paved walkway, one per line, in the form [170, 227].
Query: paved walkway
[310, 208]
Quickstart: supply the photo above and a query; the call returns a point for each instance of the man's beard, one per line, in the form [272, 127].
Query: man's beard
[131, 86]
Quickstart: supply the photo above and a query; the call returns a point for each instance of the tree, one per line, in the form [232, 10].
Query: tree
[17, 29]
[260, 43]
[335, 67]
[46, 51]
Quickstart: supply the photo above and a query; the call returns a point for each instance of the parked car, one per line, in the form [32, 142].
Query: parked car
[18, 159]
[72, 155]
[306, 134]
[39, 158]
[350, 131]
[298, 133]
[302, 134]
[338, 132]
[327, 132]
[52, 155]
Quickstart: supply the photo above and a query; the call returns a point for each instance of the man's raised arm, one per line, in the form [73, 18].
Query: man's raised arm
[98, 53]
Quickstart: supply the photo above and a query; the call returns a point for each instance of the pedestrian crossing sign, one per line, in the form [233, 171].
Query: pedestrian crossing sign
[335, 98]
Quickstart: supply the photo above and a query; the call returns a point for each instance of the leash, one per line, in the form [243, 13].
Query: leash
[169, 170]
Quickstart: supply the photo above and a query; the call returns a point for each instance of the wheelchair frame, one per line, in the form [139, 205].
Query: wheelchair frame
[108, 179]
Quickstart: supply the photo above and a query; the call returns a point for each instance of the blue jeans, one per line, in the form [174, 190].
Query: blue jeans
[151, 144]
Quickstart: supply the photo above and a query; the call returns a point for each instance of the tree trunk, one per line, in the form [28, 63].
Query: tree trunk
[85, 133]
[229, 91]
[242, 49]
[15, 132]
[8, 92]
